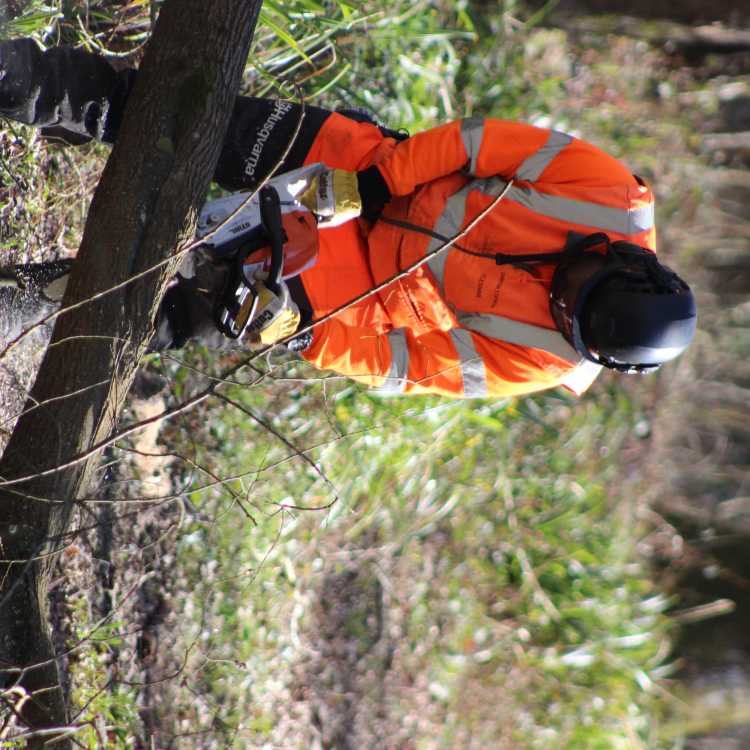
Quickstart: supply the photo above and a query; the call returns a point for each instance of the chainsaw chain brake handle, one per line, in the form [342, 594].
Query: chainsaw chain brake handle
[240, 299]
[270, 215]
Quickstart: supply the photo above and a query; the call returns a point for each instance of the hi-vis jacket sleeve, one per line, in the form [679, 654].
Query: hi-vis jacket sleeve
[457, 363]
[483, 147]
[486, 147]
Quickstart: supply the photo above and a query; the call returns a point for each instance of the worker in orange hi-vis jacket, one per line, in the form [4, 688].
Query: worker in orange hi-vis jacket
[521, 258]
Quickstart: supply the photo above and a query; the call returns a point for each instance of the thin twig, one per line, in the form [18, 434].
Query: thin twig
[22, 671]
[299, 453]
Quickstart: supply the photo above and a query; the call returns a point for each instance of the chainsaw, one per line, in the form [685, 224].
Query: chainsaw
[267, 232]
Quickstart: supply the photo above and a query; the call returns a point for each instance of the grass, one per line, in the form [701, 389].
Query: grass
[476, 582]
[507, 569]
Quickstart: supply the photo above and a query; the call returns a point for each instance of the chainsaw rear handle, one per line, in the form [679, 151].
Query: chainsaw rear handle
[270, 216]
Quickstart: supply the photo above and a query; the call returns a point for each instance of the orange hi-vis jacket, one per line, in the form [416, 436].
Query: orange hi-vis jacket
[462, 325]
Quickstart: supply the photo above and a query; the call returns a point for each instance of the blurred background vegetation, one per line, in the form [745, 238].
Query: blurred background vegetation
[532, 573]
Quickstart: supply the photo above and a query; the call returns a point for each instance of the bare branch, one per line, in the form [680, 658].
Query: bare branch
[299, 453]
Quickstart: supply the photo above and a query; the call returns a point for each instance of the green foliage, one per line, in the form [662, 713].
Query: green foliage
[531, 557]
[35, 17]
[104, 712]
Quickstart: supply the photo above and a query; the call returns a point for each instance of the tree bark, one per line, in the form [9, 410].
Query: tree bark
[144, 208]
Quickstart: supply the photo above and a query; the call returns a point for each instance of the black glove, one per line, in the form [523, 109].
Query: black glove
[374, 192]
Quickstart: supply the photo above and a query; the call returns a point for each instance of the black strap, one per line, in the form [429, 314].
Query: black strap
[525, 262]
[359, 114]
[373, 191]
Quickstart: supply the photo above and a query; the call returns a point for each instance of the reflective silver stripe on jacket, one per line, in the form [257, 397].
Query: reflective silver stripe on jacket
[523, 334]
[448, 225]
[594, 215]
[472, 133]
[532, 168]
[472, 365]
[582, 212]
[395, 381]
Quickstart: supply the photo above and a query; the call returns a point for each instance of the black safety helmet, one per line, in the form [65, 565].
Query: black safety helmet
[619, 307]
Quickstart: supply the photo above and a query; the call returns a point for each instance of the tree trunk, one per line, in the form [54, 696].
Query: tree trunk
[144, 208]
